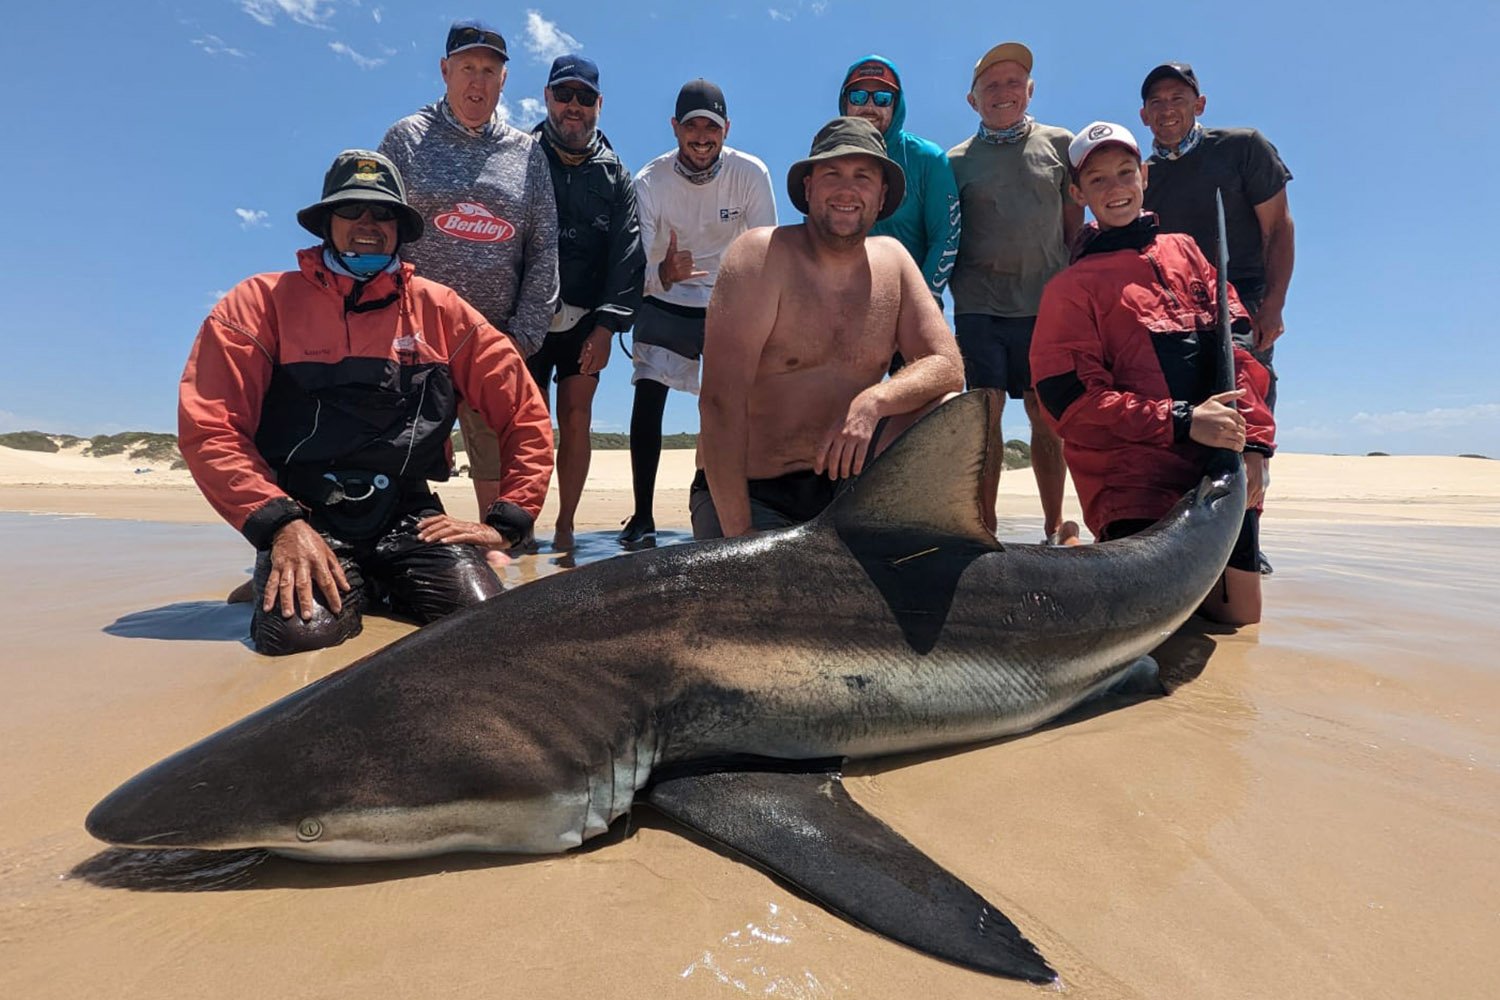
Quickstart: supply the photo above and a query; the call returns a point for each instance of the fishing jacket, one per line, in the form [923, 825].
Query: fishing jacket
[1125, 345]
[927, 220]
[600, 260]
[298, 373]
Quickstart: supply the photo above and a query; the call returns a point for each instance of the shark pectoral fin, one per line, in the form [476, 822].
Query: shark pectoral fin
[805, 828]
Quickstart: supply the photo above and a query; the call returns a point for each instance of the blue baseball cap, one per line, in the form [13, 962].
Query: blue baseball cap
[574, 69]
[472, 33]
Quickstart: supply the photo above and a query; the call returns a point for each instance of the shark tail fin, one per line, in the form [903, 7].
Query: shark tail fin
[805, 829]
[934, 477]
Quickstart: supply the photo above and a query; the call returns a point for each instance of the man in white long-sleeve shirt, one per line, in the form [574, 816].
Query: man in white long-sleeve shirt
[692, 202]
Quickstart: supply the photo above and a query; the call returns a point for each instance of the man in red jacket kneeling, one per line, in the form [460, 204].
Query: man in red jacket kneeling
[317, 404]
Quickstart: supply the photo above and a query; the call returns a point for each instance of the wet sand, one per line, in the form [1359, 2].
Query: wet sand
[1313, 812]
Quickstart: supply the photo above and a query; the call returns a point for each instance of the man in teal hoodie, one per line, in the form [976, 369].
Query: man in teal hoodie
[927, 221]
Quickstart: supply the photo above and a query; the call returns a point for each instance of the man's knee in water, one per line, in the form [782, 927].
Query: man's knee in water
[437, 580]
[273, 635]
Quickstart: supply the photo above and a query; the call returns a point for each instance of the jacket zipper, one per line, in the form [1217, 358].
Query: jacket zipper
[1162, 279]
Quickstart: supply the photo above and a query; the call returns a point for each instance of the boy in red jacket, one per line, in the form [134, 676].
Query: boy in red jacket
[1123, 359]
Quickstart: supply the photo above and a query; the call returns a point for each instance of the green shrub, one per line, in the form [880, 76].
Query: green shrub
[28, 441]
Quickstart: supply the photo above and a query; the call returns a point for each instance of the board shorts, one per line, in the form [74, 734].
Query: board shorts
[779, 502]
[996, 351]
[481, 446]
[668, 344]
[558, 357]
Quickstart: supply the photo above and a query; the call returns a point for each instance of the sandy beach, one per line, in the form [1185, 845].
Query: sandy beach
[1313, 811]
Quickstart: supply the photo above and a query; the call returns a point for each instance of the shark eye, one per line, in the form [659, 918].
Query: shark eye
[309, 829]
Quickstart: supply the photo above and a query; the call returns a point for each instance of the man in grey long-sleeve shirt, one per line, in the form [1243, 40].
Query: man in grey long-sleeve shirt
[485, 193]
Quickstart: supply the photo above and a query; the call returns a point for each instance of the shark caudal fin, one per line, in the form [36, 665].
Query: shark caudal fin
[915, 518]
[806, 830]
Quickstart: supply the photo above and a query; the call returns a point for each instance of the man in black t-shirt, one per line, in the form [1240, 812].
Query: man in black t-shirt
[1188, 163]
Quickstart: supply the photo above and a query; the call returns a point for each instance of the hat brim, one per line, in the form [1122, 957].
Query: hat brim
[573, 79]
[895, 179]
[314, 218]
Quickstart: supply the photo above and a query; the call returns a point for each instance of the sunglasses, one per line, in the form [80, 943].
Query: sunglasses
[465, 37]
[352, 210]
[880, 98]
[567, 95]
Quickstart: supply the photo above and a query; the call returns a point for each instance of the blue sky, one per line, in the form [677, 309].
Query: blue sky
[156, 152]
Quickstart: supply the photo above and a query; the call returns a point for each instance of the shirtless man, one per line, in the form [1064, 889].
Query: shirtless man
[801, 328]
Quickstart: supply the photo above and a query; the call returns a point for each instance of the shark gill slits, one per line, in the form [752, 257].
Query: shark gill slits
[309, 830]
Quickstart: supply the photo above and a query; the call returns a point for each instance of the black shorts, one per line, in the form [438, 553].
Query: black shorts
[996, 351]
[1246, 554]
[559, 354]
[780, 502]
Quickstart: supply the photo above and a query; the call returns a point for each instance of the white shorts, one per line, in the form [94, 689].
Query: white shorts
[667, 367]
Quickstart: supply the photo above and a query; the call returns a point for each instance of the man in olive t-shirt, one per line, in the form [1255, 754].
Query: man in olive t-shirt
[1018, 220]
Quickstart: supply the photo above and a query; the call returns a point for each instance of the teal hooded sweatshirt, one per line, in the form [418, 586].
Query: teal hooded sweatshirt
[927, 222]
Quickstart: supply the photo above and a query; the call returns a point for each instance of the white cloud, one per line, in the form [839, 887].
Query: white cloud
[504, 109]
[819, 7]
[377, 14]
[533, 110]
[253, 218]
[545, 40]
[1438, 418]
[214, 46]
[779, 15]
[313, 13]
[363, 62]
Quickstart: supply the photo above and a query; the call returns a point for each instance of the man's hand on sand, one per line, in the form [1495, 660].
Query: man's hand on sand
[443, 529]
[299, 558]
[678, 264]
[846, 446]
[1218, 424]
[595, 352]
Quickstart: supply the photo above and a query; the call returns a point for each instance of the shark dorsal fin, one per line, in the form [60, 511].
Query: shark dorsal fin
[931, 480]
[915, 517]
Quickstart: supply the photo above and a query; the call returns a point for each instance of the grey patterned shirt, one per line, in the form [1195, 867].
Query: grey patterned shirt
[486, 197]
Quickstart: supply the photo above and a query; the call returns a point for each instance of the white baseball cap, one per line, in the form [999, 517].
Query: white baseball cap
[1096, 134]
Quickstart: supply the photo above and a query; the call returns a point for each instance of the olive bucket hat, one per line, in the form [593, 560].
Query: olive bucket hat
[848, 137]
[362, 175]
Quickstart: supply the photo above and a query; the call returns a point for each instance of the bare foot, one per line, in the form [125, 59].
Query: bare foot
[498, 560]
[562, 539]
[1066, 534]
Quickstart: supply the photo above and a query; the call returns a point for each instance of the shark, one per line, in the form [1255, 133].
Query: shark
[722, 683]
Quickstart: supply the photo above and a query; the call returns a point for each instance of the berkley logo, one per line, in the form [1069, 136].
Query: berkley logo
[475, 223]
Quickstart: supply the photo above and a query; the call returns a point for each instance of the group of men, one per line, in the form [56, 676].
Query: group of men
[467, 265]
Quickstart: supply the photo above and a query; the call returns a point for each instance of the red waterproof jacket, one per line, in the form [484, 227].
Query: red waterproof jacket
[1126, 343]
[296, 372]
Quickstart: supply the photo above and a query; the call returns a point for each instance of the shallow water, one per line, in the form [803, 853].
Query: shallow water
[1313, 812]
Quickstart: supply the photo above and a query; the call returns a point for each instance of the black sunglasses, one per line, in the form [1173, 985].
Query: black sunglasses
[859, 98]
[463, 38]
[352, 210]
[566, 95]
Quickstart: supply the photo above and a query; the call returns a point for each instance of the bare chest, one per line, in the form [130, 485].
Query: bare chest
[819, 322]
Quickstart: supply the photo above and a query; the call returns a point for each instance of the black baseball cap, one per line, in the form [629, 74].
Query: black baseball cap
[1170, 71]
[701, 99]
[365, 176]
[574, 69]
[472, 33]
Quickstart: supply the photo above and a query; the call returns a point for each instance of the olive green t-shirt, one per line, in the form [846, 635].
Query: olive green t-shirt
[1011, 244]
